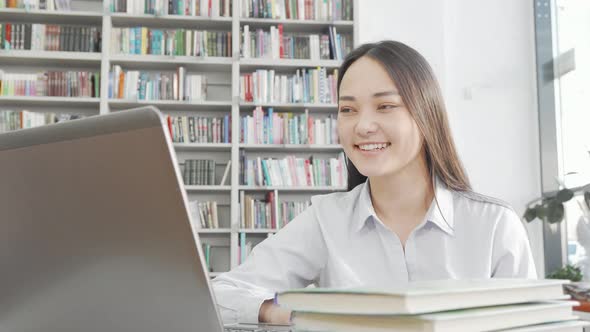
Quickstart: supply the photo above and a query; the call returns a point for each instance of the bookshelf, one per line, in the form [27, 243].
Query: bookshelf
[293, 107]
[54, 17]
[211, 64]
[292, 147]
[47, 58]
[282, 64]
[223, 98]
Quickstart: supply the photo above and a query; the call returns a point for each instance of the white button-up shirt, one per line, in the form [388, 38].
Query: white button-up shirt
[340, 242]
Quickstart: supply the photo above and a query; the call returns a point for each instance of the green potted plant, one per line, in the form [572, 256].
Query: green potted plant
[569, 272]
[550, 208]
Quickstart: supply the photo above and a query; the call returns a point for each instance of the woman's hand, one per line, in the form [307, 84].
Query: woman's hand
[273, 314]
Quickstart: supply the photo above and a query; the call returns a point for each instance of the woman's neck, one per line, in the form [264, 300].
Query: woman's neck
[403, 197]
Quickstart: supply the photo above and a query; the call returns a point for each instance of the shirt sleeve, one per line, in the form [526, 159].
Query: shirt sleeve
[292, 258]
[512, 256]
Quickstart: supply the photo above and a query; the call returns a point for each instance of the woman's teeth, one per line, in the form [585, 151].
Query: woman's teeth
[373, 147]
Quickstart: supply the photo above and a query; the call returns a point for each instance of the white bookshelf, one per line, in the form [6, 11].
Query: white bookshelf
[283, 64]
[298, 25]
[298, 107]
[257, 231]
[48, 58]
[223, 74]
[202, 146]
[214, 231]
[75, 105]
[211, 64]
[292, 147]
[318, 189]
[190, 188]
[51, 17]
[173, 21]
[216, 106]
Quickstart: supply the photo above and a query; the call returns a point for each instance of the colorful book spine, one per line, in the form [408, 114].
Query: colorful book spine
[200, 129]
[198, 172]
[205, 214]
[318, 10]
[173, 42]
[51, 83]
[50, 37]
[304, 86]
[51, 5]
[144, 85]
[267, 44]
[268, 213]
[208, 8]
[207, 254]
[292, 171]
[287, 128]
[15, 120]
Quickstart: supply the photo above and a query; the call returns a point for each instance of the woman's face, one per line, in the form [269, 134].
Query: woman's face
[376, 130]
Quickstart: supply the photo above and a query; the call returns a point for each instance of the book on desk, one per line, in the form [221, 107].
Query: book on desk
[436, 306]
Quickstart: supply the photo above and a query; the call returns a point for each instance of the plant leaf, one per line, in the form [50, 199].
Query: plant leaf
[555, 212]
[570, 272]
[564, 195]
[530, 214]
[541, 211]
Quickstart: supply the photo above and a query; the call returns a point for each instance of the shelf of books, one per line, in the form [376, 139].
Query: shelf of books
[45, 58]
[292, 147]
[203, 146]
[309, 26]
[210, 64]
[293, 107]
[50, 59]
[51, 16]
[173, 21]
[247, 89]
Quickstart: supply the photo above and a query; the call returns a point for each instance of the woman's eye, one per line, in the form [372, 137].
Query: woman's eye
[387, 107]
[345, 110]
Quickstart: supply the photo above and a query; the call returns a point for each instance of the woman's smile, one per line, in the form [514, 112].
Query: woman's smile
[371, 149]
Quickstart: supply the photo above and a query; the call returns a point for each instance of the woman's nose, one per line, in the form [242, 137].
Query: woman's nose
[366, 124]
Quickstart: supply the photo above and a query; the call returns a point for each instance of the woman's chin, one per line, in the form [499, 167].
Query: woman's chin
[372, 171]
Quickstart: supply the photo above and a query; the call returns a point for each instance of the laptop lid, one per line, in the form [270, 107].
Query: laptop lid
[95, 233]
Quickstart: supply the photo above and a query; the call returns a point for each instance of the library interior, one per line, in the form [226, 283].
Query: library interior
[294, 165]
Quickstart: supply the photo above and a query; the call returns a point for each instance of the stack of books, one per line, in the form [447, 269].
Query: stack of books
[437, 306]
[580, 292]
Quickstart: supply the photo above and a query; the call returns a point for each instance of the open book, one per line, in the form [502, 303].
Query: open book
[466, 320]
[422, 296]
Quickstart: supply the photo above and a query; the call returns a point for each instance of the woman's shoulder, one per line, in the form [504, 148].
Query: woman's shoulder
[475, 198]
[475, 205]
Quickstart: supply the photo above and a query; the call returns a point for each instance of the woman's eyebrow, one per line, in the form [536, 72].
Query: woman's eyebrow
[386, 93]
[378, 94]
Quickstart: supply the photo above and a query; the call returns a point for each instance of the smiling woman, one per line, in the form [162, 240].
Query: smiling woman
[401, 92]
[409, 214]
[393, 127]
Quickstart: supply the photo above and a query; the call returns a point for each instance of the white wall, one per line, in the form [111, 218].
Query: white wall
[417, 23]
[483, 54]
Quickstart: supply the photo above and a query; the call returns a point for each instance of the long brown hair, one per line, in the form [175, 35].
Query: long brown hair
[421, 94]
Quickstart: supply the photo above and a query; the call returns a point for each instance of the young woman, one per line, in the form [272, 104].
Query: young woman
[409, 213]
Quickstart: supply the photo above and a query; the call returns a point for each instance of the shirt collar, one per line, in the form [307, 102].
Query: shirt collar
[440, 213]
[364, 207]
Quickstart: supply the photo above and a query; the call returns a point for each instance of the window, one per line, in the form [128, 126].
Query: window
[563, 66]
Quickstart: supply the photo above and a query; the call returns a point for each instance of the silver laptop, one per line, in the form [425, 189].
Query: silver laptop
[95, 233]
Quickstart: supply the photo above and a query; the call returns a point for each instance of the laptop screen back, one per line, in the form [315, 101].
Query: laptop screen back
[94, 233]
